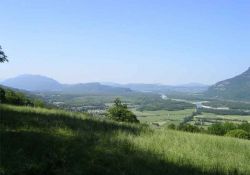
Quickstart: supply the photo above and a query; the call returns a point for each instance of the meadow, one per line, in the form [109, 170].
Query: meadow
[163, 117]
[41, 141]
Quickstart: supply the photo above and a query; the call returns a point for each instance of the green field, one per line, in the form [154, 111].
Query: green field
[163, 117]
[40, 141]
[210, 118]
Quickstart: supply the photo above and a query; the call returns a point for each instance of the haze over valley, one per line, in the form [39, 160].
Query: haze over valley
[124, 87]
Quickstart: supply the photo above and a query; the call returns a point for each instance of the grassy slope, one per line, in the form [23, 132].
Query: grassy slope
[40, 141]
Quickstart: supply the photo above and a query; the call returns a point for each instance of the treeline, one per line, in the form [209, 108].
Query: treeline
[222, 129]
[224, 111]
[229, 104]
[8, 96]
[155, 103]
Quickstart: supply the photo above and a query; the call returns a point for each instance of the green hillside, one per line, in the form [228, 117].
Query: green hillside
[40, 141]
[237, 88]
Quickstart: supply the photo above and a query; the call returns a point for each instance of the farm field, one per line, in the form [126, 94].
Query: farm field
[206, 119]
[163, 117]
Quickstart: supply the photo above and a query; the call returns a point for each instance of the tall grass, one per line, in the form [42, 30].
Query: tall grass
[41, 141]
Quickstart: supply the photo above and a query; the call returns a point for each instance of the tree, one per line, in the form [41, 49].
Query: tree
[3, 57]
[245, 126]
[120, 112]
[238, 133]
[189, 128]
[2, 95]
[221, 128]
[171, 126]
[216, 129]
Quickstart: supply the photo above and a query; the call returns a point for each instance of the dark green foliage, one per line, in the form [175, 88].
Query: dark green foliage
[2, 95]
[171, 126]
[189, 128]
[16, 98]
[9, 96]
[221, 128]
[216, 129]
[245, 126]
[120, 112]
[229, 126]
[224, 112]
[238, 133]
[230, 129]
[3, 57]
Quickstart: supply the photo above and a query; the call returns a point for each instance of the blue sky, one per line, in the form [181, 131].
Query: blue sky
[149, 41]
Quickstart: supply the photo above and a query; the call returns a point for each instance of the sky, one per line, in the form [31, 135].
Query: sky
[126, 41]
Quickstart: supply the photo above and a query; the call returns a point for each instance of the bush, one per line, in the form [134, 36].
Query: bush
[189, 128]
[171, 126]
[120, 112]
[245, 126]
[221, 129]
[238, 133]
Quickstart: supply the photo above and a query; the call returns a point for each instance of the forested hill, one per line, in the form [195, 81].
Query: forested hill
[236, 88]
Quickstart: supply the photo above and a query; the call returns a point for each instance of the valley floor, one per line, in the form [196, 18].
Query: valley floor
[40, 141]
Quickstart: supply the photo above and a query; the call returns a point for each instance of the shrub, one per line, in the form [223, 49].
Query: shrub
[189, 128]
[120, 112]
[245, 126]
[38, 103]
[220, 128]
[238, 133]
[171, 126]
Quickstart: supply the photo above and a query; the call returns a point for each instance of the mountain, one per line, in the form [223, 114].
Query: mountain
[159, 88]
[236, 88]
[46, 84]
[93, 88]
[33, 83]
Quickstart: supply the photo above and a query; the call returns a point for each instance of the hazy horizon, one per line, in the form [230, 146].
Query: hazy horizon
[166, 42]
[113, 82]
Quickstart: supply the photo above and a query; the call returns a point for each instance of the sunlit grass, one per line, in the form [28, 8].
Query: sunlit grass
[204, 151]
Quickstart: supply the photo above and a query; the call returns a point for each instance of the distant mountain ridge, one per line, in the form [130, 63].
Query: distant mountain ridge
[236, 88]
[33, 83]
[43, 83]
[189, 88]
[93, 88]
[46, 84]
